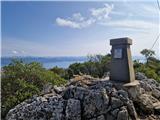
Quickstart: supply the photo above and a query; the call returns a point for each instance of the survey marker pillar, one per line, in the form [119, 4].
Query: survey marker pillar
[121, 60]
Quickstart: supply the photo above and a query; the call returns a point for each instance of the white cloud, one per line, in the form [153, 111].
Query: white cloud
[102, 13]
[87, 22]
[67, 23]
[77, 17]
[74, 24]
[78, 21]
[18, 52]
[101, 16]
[14, 52]
[120, 13]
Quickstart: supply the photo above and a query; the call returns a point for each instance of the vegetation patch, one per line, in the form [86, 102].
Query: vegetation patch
[20, 81]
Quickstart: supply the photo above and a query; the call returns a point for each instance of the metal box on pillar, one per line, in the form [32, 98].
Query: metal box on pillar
[121, 61]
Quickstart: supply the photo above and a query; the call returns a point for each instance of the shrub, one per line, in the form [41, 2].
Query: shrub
[61, 72]
[14, 92]
[150, 69]
[96, 66]
[22, 80]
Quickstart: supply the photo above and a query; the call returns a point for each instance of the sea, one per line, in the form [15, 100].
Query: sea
[47, 62]
[50, 62]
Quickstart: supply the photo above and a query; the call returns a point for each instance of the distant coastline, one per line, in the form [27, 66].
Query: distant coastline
[50, 62]
[47, 62]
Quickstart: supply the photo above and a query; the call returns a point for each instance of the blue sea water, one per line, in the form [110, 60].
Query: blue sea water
[50, 62]
[47, 62]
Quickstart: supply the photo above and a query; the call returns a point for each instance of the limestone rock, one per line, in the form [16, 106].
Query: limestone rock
[100, 117]
[116, 103]
[94, 104]
[157, 107]
[73, 110]
[58, 89]
[75, 92]
[140, 76]
[131, 110]
[110, 117]
[47, 88]
[156, 93]
[39, 108]
[145, 104]
[123, 114]
[91, 99]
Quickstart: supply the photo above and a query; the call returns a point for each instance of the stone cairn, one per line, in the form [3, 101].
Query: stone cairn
[87, 98]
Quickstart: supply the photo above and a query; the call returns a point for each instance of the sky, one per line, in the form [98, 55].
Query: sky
[76, 28]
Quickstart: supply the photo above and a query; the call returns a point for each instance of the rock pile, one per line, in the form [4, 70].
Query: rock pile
[86, 98]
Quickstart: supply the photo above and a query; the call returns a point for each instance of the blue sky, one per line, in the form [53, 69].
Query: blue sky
[76, 28]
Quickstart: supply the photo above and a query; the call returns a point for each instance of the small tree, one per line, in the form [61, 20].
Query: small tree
[147, 53]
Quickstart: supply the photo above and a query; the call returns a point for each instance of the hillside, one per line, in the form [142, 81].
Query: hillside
[88, 98]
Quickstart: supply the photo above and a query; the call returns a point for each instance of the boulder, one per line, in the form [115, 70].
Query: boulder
[39, 108]
[75, 92]
[116, 103]
[140, 76]
[73, 110]
[131, 110]
[145, 104]
[94, 104]
[91, 99]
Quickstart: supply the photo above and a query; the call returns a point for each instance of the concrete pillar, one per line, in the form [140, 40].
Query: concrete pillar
[121, 62]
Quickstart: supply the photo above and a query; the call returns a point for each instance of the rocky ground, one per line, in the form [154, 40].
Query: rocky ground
[87, 98]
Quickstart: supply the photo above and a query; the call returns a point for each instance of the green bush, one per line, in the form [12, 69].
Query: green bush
[150, 69]
[61, 72]
[96, 66]
[21, 81]
[14, 92]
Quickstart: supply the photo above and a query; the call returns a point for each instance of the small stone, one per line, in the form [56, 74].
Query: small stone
[58, 89]
[42, 99]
